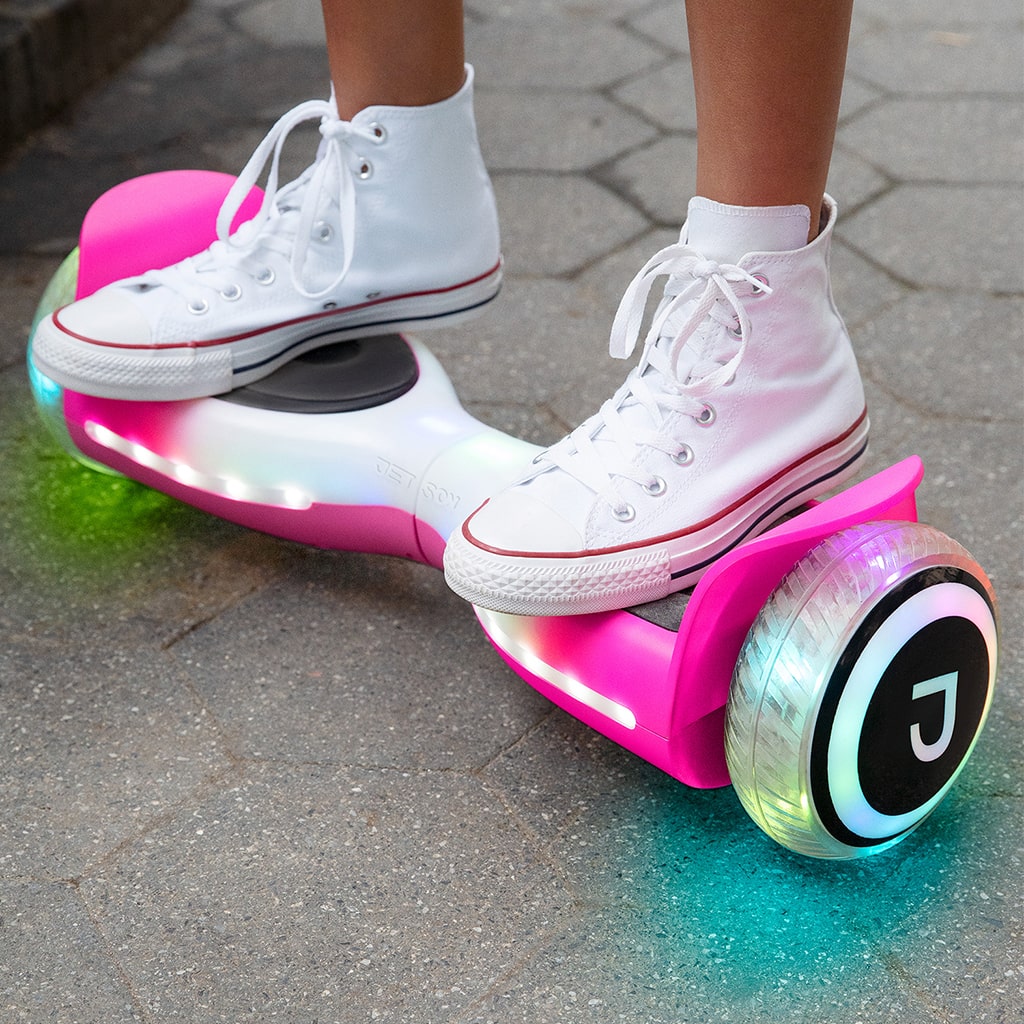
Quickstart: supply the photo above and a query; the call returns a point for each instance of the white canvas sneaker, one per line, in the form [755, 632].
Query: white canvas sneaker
[393, 227]
[746, 403]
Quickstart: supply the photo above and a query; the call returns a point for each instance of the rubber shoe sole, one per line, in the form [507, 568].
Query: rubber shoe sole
[523, 583]
[200, 369]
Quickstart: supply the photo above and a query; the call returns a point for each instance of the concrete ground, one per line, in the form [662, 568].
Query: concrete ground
[248, 781]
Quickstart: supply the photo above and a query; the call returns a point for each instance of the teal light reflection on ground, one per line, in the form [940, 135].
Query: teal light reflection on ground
[734, 920]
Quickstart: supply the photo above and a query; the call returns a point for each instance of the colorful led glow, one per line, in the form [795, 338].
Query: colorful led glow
[49, 399]
[522, 650]
[49, 395]
[47, 392]
[286, 496]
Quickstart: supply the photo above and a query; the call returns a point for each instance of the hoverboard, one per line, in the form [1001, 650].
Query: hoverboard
[837, 669]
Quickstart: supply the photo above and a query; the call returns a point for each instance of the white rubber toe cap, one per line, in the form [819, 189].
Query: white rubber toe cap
[109, 316]
[517, 521]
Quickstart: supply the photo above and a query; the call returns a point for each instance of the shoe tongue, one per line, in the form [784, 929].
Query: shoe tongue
[292, 194]
[726, 234]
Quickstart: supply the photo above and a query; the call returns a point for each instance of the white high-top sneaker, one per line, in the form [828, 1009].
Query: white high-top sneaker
[746, 403]
[393, 227]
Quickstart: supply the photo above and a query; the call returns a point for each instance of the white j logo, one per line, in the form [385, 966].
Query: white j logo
[945, 685]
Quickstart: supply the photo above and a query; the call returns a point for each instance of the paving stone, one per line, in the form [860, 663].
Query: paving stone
[554, 343]
[861, 290]
[22, 282]
[556, 225]
[231, 152]
[995, 778]
[588, 380]
[942, 332]
[131, 129]
[62, 970]
[934, 236]
[553, 131]
[649, 847]
[538, 426]
[284, 21]
[528, 10]
[325, 668]
[971, 489]
[82, 552]
[922, 59]
[572, 53]
[954, 13]
[315, 894]
[53, 50]
[943, 139]
[563, 770]
[105, 740]
[664, 95]
[665, 25]
[608, 278]
[554, 338]
[852, 181]
[856, 96]
[134, 118]
[660, 178]
[684, 970]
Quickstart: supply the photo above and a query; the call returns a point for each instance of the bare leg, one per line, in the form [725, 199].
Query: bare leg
[768, 75]
[393, 52]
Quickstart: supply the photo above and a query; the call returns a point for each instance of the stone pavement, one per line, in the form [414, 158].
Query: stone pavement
[248, 781]
[51, 51]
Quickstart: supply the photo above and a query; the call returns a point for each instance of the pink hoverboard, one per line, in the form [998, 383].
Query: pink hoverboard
[837, 670]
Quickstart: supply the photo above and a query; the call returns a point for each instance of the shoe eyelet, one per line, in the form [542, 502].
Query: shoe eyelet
[232, 293]
[707, 416]
[365, 170]
[737, 329]
[197, 307]
[684, 456]
[624, 514]
[757, 292]
[656, 488]
[323, 232]
[266, 276]
[378, 131]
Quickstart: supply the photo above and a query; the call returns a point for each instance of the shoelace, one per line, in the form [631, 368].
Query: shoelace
[685, 374]
[237, 250]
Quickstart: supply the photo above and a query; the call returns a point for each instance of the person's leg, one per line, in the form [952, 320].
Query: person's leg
[393, 52]
[393, 227]
[747, 400]
[767, 77]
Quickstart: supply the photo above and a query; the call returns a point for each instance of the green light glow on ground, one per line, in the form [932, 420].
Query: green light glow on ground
[65, 524]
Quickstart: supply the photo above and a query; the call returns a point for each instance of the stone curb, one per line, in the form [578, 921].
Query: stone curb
[52, 50]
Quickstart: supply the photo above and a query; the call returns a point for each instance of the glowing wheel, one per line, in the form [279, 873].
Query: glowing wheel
[861, 689]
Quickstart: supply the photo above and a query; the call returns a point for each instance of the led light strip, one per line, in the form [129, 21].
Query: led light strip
[225, 487]
[568, 685]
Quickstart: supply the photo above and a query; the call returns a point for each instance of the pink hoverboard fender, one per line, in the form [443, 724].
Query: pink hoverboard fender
[837, 669]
